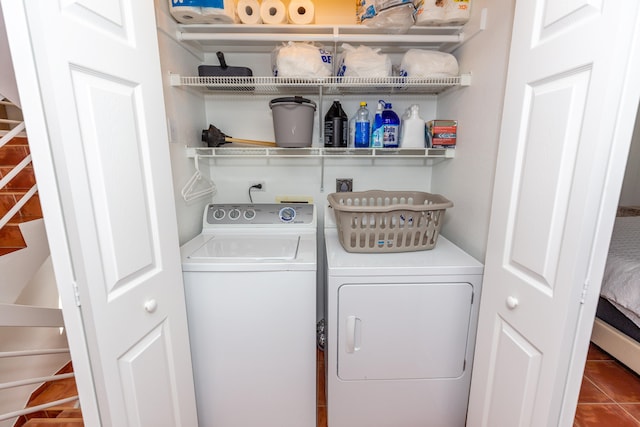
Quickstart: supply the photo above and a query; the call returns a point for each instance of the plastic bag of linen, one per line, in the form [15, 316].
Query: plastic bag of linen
[397, 16]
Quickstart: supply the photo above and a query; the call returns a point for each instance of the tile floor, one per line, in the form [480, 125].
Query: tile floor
[610, 394]
[321, 397]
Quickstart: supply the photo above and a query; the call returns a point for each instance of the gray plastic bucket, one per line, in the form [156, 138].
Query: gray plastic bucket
[293, 121]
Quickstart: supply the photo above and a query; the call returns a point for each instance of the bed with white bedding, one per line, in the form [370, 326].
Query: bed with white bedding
[617, 325]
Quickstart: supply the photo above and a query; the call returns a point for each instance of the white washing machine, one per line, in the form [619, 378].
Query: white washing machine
[400, 330]
[250, 285]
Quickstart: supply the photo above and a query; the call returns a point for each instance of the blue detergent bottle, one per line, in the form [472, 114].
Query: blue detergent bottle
[391, 127]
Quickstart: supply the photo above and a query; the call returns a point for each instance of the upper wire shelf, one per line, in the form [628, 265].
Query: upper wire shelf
[209, 38]
[330, 85]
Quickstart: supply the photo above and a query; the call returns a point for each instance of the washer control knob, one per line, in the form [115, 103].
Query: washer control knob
[218, 214]
[150, 306]
[234, 214]
[287, 214]
[249, 214]
[512, 302]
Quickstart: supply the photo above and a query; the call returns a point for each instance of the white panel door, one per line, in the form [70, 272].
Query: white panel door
[566, 79]
[98, 73]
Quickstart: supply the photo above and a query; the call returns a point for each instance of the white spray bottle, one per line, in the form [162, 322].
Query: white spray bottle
[412, 129]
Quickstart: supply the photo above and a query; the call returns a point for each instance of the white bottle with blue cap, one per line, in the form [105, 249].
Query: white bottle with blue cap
[412, 129]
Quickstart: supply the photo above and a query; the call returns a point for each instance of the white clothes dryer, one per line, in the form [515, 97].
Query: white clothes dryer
[400, 334]
[250, 285]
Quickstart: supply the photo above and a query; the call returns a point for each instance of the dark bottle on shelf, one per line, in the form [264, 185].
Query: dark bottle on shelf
[336, 127]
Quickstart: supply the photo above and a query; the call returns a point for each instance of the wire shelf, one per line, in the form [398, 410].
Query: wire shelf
[320, 152]
[330, 85]
[263, 38]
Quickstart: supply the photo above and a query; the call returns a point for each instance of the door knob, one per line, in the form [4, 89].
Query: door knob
[150, 306]
[512, 302]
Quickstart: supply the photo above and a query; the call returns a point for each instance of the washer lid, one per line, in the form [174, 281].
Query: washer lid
[248, 248]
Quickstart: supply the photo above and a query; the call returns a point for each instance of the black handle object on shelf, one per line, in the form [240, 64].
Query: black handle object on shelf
[223, 62]
[214, 137]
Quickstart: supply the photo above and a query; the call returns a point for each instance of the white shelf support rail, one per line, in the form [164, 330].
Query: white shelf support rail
[262, 38]
[416, 35]
[322, 175]
[321, 152]
[473, 28]
[330, 85]
[325, 38]
[319, 112]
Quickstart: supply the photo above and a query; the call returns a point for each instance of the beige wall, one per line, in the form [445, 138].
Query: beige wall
[8, 87]
[630, 194]
[468, 179]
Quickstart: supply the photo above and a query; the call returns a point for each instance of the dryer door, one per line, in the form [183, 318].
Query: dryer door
[403, 331]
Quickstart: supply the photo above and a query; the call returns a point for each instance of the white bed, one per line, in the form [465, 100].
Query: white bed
[617, 326]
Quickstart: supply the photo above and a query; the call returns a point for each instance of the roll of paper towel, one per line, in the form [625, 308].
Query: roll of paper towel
[430, 12]
[186, 12]
[273, 12]
[218, 11]
[457, 12]
[249, 12]
[301, 12]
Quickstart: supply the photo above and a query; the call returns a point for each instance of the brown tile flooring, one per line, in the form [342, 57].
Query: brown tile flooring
[321, 397]
[610, 394]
